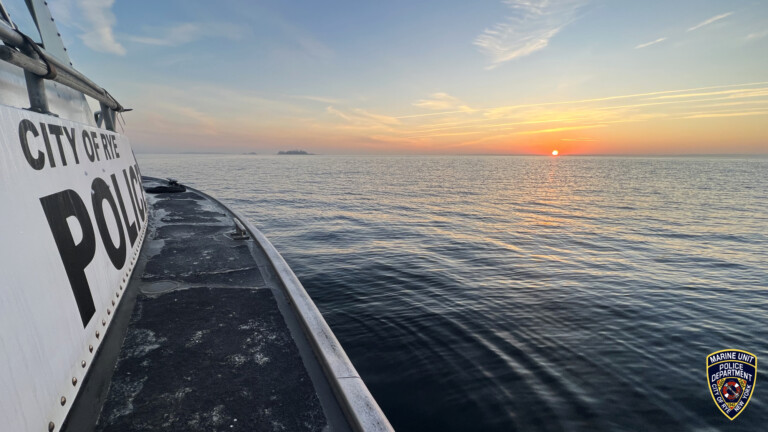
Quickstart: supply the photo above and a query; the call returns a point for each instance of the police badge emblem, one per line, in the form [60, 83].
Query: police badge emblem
[731, 375]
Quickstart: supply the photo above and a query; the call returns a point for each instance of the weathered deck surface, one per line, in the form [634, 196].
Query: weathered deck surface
[207, 347]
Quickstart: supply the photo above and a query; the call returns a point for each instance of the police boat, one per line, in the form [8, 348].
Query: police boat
[132, 303]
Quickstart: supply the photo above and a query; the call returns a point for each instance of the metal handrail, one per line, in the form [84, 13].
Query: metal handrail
[66, 75]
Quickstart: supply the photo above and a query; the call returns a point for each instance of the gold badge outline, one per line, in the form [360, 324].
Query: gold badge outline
[754, 381]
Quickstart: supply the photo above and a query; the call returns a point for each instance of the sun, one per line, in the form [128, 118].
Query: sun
[555, 152]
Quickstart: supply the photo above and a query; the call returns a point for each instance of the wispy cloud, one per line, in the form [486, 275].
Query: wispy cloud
[314, 47]
[380, 118]
[321, 99]
[559, 118]
[561, 129]
[340, 114]
[740, 92]
[361, 118]
[298, 44]
[710, 21]
[185, 33]
[442, 101]
[569, 122]
[647, 44]
[202, 108]
[99, 35]
[203, 111]
[496, 112]
[729, 114]
[529, 28]
[757, 35]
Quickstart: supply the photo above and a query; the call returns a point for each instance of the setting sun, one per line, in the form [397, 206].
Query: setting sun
[555, 152]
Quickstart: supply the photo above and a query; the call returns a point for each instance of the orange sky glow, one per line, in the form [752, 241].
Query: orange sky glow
[715, 120]
[501, 77]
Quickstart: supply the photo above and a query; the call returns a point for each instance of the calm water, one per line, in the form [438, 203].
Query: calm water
[521, 293]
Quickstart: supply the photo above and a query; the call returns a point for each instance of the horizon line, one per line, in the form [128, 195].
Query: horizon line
[252, 153]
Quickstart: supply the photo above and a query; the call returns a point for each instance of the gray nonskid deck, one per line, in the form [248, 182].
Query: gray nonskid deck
[207, 347]
[210, 359]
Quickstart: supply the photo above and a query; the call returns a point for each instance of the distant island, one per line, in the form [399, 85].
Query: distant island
[293, 152]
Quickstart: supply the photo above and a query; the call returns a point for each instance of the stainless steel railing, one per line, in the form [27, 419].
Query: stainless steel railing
[38, 66]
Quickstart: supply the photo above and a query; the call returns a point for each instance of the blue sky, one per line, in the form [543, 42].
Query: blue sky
[430, 76]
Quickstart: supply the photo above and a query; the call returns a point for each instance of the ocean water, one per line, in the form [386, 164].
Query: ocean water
[521, 293]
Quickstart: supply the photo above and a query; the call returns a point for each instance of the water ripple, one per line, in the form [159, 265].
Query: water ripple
[492, 293]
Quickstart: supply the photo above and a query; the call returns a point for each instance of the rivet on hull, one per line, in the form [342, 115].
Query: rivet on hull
[103, 322]
[74, 381]
[82, 363]
[90, 348]
[63, 400]
[51, 426]
[97, 334]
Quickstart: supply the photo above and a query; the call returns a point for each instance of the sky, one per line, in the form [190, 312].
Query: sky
[430, 77]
